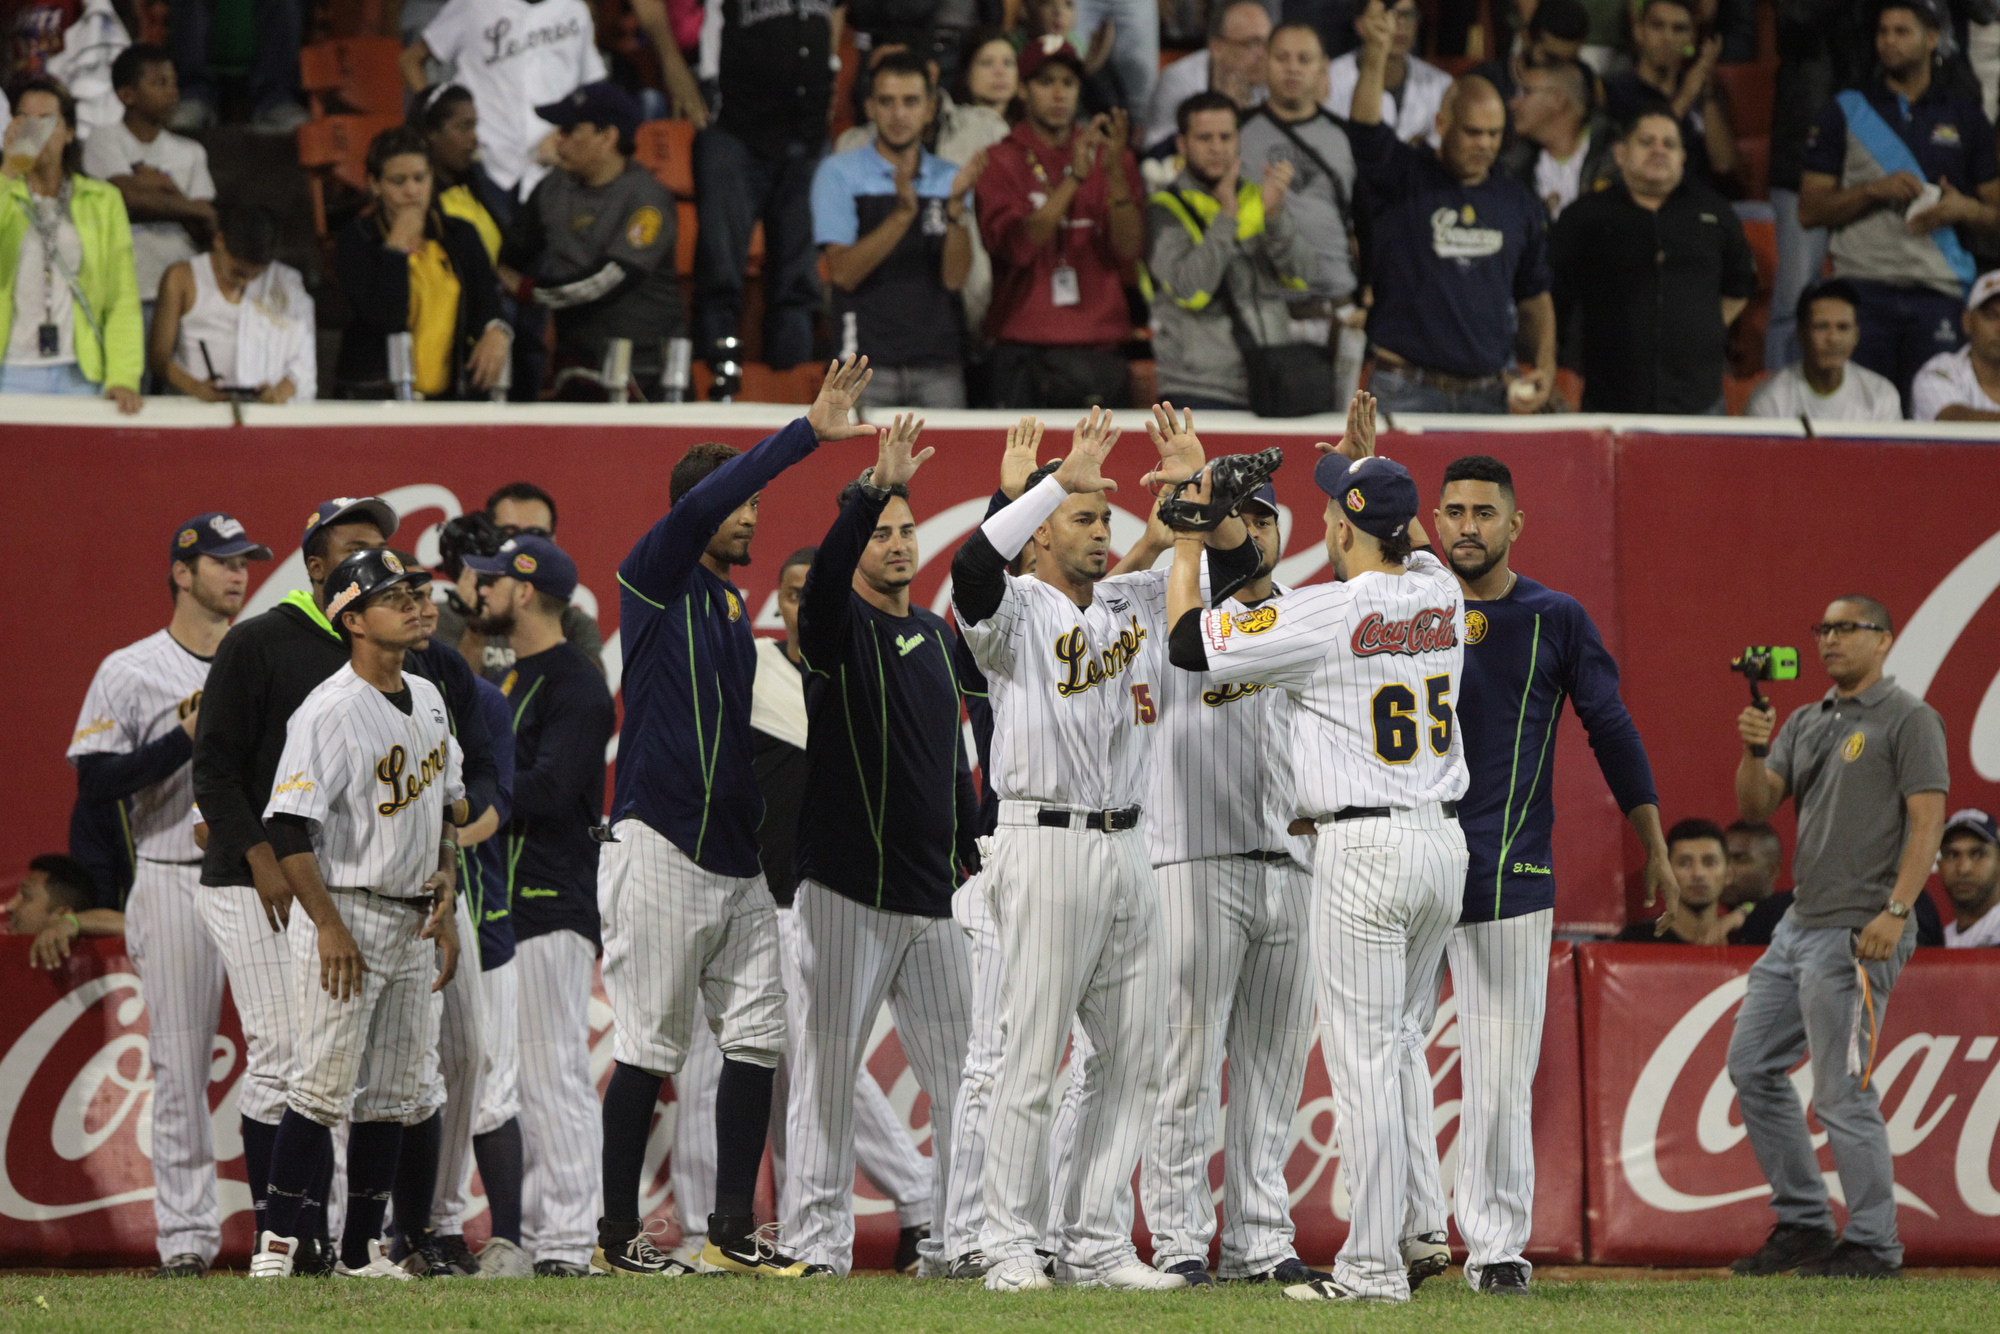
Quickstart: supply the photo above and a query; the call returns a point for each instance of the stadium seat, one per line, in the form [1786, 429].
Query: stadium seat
[336, 148]
[666, 148]
[761, 384]
[360, 72]
[851, 60]
[1749, 89]
[689, 221]
[1746, 336]
[1755, 172]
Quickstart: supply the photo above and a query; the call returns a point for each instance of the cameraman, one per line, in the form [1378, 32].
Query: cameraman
[1865, 768]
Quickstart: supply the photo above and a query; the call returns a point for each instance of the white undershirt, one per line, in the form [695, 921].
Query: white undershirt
[40, 293]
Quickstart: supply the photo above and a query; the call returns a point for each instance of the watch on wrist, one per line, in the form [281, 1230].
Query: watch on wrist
[1898, 910]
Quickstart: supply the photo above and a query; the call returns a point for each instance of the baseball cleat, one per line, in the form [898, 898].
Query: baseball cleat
[433, 1255]
[756, 1255]
[1786, 1249]
[1016, 1276]
[1289, 1270]
[970, 1265]
[907, 1255]
[379, 1266]
[1192, 1272]
[1509, 1278]
[274, 1256]
[1135, 1277]
[501, 1258]
[1850, 1260]
[637, 1258]
[185, 1265]
[1321, 1290]
[1425, 1256]
[560, 1269]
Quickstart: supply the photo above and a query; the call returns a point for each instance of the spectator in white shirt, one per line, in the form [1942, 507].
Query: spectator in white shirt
[1413, 89]
[162, 175]
[1826, 384]
[1969, 864]
[1239, 38]
[1562, 149]
[1964, 386]
[235, 322]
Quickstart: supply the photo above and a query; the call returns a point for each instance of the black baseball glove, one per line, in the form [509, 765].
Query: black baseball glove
[1233, 478]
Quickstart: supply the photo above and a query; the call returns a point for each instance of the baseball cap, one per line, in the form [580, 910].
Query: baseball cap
[214, 534]
[1375, 494]
[348, 509]
[1984, 290]
[603, 104]
[363, 574]
[1973, 821]
[1265, 495]
[532, 559]
[1049, 49]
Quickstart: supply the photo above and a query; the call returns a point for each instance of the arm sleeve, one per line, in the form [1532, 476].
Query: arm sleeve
[1826, 142]
[1191, 271]
[1184, 647]
[1234, 565]
[965, 800]
[290, 835]
[575, 724]
[835, 219]
[665, 555]
[1593, 692]
[499, 721]
[1381, 159]
[1921, 763]
[482, 774]
[978, 580]
[828, 599]
[124, 327]
[225, 747]
[1010, 529]
[104, 777]
[1982, 162]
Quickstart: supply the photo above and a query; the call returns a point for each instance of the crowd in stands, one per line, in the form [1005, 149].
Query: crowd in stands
[1031, 202]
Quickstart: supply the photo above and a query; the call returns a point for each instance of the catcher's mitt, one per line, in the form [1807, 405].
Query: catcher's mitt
[1233, 477]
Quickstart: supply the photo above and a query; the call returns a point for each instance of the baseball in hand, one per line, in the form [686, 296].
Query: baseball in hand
[1522, 391]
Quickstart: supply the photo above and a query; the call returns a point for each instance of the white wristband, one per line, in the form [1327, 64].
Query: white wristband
[1010, 529]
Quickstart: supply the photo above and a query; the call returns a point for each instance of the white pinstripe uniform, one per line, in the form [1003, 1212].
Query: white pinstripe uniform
[462, 1026]
[500, 1060]
[139, 694]
[1074, 702]
[374, 782]
[561, 1190]
[1372, 666]
[1234, 896]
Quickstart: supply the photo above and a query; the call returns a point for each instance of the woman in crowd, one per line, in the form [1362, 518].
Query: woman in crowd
[449, 123]
[405, 266]
[69, 300]
[236, 322]
[989, 75]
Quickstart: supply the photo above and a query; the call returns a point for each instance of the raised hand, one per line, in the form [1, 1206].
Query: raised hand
[1088, 138]
[894, 464]
[1359, 441]
[1180, 449]
[906, 184]
[1277, 180]
[1024, 441]
[1117, 129]
[831, 413]
[1376, 26]
[1083, 470]
[1225, 189]
[968, 175]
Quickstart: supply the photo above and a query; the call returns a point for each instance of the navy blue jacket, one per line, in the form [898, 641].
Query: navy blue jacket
[1525, 653]
[562, 721]
[892, 801]
[685, 754]
[445, 668]
[482, 870]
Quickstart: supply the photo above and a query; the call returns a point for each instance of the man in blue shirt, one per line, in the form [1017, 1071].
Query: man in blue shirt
[687, 920]
[1459, 266]
[896, 228]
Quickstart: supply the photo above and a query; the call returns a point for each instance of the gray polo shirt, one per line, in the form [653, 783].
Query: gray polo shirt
[1849, 765]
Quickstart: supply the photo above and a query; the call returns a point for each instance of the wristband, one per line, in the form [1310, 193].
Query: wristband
[74, 925]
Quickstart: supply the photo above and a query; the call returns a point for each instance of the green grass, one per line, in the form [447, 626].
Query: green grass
[227, 1305]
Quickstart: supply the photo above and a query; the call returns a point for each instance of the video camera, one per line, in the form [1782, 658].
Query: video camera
[1765, 662]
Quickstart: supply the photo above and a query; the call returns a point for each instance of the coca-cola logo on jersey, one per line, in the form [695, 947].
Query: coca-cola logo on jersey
[1429, 631]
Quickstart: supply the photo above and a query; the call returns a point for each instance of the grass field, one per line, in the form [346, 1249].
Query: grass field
[227, 1305]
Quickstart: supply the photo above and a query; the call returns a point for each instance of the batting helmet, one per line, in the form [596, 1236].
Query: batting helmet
[361, 576]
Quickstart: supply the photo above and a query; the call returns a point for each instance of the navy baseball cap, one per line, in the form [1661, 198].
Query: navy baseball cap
[1375, 494]
[532, 559]
[214, 534]
[1973, 821]
[348, 509]
[603, 104]
[1265, 495]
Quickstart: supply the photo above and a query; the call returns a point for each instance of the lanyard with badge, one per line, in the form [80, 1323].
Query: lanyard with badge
[1064, 289]
[46, 215]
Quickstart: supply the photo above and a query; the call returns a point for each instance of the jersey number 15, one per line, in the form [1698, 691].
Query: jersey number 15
[1395, 713]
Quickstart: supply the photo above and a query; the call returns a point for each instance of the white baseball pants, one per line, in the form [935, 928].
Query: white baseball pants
[263, 984]
[499, 1048]
[1077, 914]
[678, 938]
[1239, 981]
[180, 973]
[1386, 891]
[461, 1061]
[562, 1131]
[853, 958]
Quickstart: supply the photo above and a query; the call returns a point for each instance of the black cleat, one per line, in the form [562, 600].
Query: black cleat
[185, 1265]
[1194, 1272]
[1849, 1260]
[635, 1257]
[1289, 1270]
[1786, 1248]
[1425, 1255]
[430, 1255]
[906, 1248]
[1506, 1279]
[970, 1265]
[755, 1255]
[560, 1269]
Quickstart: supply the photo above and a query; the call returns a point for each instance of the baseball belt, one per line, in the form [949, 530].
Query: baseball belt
[1105, 822]
[1379, 812]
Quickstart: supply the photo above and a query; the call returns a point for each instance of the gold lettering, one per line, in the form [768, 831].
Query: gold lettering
[406, 788]
[1082, 672]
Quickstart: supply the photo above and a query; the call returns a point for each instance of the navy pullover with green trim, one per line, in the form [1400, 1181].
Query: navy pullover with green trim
[892, 815]
[1525, 653]
[685, 753]
[562, 721]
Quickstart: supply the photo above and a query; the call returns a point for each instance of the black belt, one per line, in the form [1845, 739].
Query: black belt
[1266, 856]
[421, 901]
[1107, 822]
[1379, 812]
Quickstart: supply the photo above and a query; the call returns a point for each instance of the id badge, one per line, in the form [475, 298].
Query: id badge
[48, 340]
[1063, 287]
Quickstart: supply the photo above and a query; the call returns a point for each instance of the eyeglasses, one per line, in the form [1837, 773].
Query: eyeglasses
[1842, 629]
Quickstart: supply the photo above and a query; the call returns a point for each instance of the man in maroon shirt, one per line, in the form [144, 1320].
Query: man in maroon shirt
[1059, 213]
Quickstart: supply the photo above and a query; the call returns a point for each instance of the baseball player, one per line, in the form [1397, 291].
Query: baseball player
[1372, 663]
[687, 920]
[874, 897]
[1527, 649]
[361, 820]
[1072, 662]
[264, 668]
[132, 743]
[563, 719]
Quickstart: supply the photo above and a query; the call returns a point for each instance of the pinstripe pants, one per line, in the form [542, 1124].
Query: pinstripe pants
[1234, 940]
[677, 937]
[562, 1133]
[263, 984]
[461, 1061]
[499, 1048]
[180, 971]
[1076, 912]
[373, 1056]
[1386, 891]
[853, 958]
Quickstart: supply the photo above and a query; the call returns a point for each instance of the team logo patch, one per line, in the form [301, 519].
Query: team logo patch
[1475, 626]
[1256, 622]
[92, 728]
[524, 564]
[1944, 134]
[1851, 749]
[341, 599]
[735, 607]
[395, 565]
[643, 228]
[187, 538]
[298, 782]
[1216, 627]
[1355, 501]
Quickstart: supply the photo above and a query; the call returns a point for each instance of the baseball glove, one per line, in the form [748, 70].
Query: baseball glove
[1233, 478]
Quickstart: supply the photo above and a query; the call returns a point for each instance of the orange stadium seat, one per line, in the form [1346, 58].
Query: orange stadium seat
[336, 148]
[360, 72]
[1749, 89]
[666, 148]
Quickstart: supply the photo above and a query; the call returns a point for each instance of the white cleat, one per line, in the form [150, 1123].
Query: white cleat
[1016, 1276]
[501, 1258]
[1321, 1290]
[1424, 1256]
[1136, 1277]
[274, 1256]
[379, 1266]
